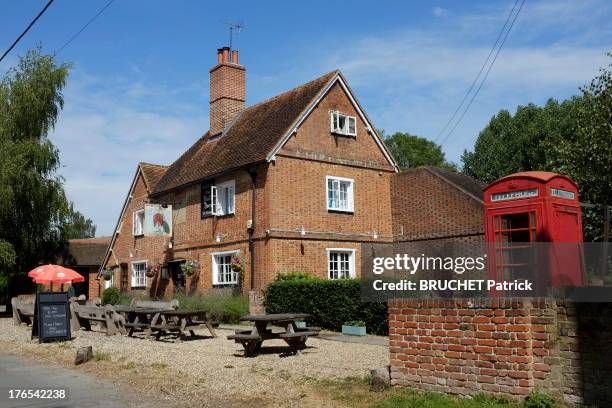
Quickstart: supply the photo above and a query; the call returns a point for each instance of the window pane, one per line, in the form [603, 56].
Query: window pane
[343, 203]
[230, 200]
[351, 126]
[342, 123]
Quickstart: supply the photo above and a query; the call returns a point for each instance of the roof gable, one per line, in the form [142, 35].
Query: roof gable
[147, 170]
[462, 182]
[336, 79]
[249, 140]
[152, 173]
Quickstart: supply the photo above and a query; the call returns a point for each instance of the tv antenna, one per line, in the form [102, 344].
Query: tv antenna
[233, 26]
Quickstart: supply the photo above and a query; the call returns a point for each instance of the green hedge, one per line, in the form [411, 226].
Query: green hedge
[330, 303]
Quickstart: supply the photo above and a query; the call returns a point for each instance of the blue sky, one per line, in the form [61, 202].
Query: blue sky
[138, 90]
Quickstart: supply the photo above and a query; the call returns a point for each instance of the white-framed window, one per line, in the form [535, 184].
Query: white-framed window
[339, 194]
[138, 222]
[139, 274]
[223, 197]
[222, 269]
[343, 124]
[109, 283]
[340, 263]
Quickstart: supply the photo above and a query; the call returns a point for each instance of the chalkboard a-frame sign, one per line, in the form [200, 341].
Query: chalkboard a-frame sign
[51, 317]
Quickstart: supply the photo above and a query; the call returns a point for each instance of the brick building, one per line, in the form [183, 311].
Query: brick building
[429, 203]
[85, 257]
[297, 182]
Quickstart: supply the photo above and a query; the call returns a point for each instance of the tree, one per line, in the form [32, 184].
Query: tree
[34, 210]
[572, 138]
[78, 226]
[413, 151]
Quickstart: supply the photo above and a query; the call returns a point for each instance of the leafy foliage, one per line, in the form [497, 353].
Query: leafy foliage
[224, 308]
[538, 400]
[111, 296]
[330, 303]
[292, 276]
[413, 151]
[573, 137]
[35, 214]
[78, 226]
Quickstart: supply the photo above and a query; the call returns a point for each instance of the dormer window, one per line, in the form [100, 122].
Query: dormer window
[343, 124]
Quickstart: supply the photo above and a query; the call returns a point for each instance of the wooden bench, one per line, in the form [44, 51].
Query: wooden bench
[297, 340]
[23, 310]
[308, 329]
[82, 316]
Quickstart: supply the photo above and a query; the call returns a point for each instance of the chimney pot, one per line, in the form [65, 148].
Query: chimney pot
[235, 56]
[225, 54]
[219, 55]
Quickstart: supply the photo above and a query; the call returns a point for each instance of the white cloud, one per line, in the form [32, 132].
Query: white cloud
[439, 12]
[413, 80]
[102, 134]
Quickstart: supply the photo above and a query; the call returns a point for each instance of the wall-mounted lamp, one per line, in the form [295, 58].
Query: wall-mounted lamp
[375, 235]
[302, 231]
[218, 238]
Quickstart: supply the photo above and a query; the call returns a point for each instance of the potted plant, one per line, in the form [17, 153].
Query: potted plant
[189, 267]
[237, 264]
[153, 270]
[107, 274]
[354, 328]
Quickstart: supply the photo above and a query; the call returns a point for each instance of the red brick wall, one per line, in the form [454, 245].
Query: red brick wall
[314, 135]
[297, 196]
[505, 347]
[428, 208]
[227, 95]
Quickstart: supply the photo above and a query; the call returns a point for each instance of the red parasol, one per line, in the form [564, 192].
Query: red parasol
[42, 268]
[54, 274]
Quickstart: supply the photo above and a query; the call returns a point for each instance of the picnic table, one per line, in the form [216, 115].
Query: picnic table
[138, 318]
[180, 321]
[294, 336]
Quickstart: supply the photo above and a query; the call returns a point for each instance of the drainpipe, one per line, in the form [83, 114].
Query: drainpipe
[253, 174]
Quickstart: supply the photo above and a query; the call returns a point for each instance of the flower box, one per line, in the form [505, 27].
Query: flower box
[354, 330]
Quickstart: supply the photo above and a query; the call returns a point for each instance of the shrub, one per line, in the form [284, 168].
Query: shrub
[330, 303]
[355, 323]
[292, 276]
[111, 296]
[222, 307]
[538, 400]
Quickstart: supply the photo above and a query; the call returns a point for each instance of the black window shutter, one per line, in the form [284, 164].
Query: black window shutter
[206, 203]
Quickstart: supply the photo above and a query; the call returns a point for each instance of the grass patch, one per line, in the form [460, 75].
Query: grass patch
[411, 399]
[101, 356]
[129, 365]
[159, 366]
[355, 392]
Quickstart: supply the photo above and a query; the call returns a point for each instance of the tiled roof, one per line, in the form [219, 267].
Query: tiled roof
[460, 180]
[152, 173]
[86, 252]
[251, 137]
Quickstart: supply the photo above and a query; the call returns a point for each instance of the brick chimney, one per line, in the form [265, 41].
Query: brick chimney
[227, 90]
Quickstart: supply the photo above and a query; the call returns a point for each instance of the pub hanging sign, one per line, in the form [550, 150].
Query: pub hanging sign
[514, 195]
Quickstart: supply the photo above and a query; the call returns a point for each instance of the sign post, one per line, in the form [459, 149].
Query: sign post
[51, 317]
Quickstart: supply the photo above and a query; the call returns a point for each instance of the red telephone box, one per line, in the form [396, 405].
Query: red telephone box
[529, 207]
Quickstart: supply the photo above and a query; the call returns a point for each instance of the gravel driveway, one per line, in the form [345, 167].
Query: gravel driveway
[216, 366]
